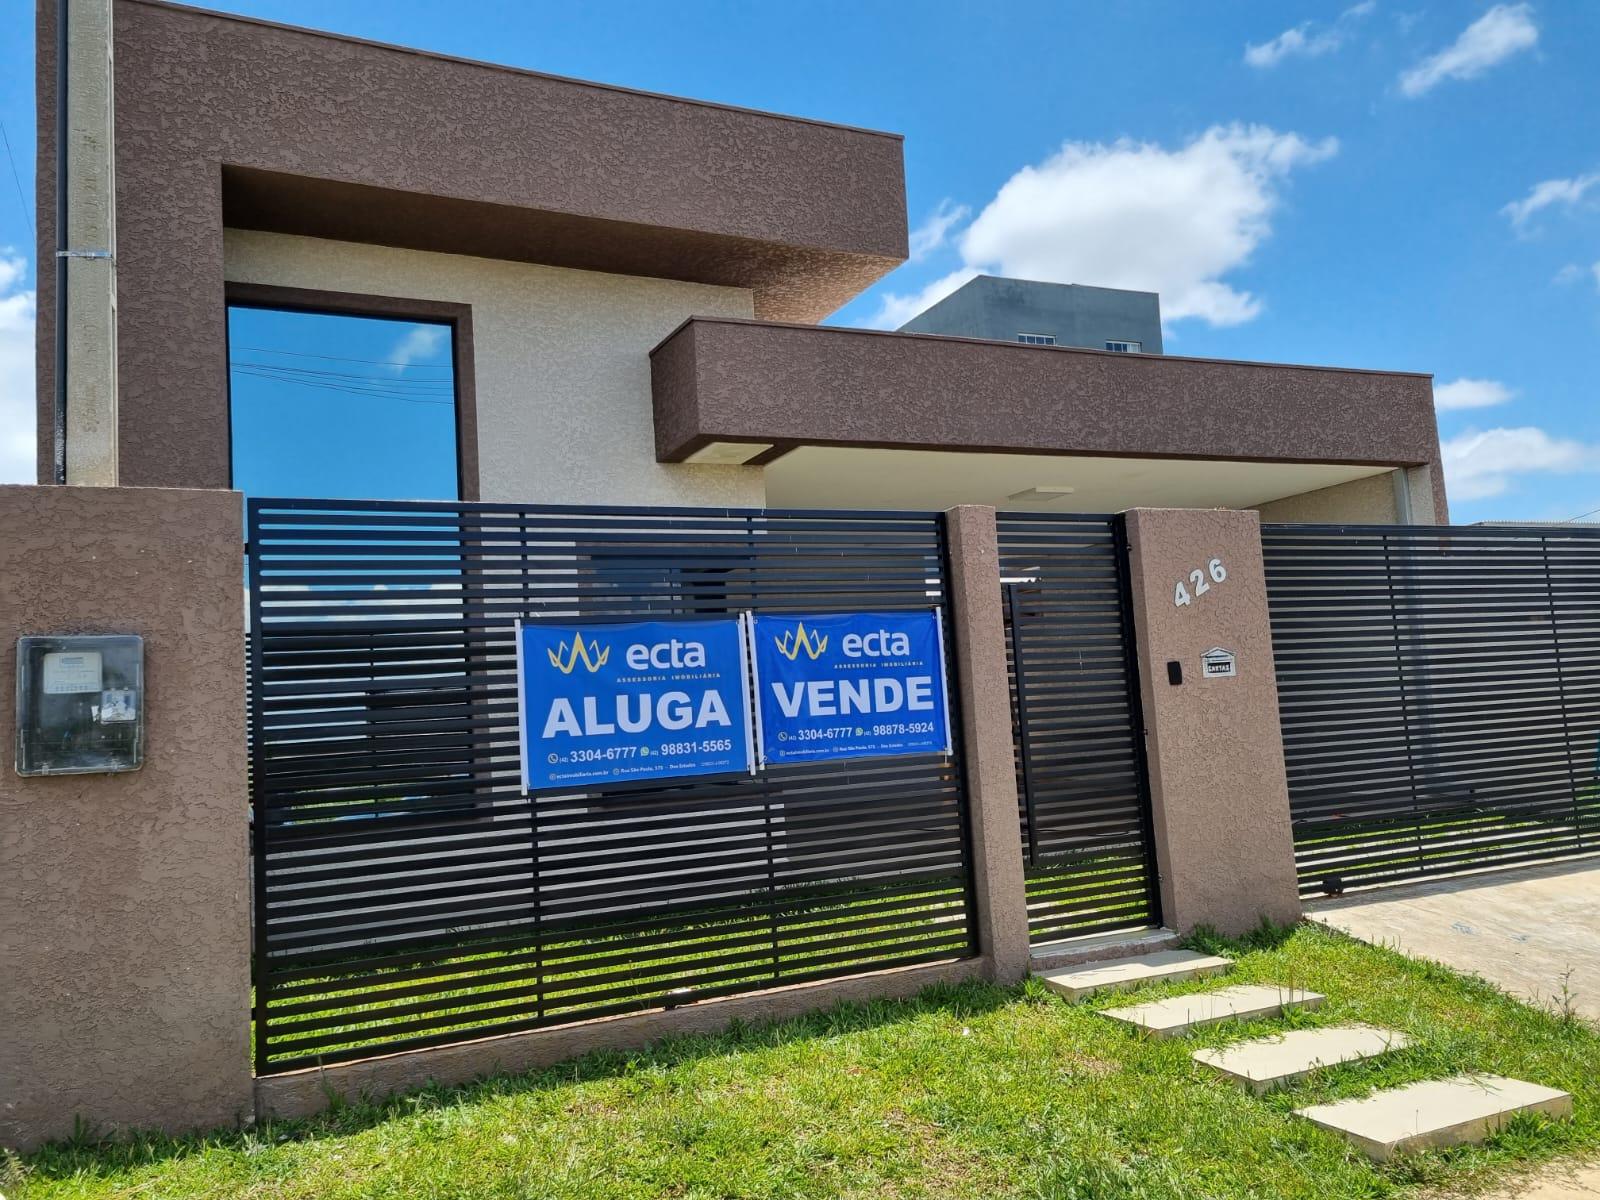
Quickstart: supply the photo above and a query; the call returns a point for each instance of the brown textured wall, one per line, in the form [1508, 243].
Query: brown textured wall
[759, 381]
[310, 133]
[978, 626]
[1219, 793]
[124, 922]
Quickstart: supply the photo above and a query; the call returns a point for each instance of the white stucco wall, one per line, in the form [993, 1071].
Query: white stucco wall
[561, 363]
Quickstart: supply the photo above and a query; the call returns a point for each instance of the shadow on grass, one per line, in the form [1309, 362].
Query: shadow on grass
[89, 1152]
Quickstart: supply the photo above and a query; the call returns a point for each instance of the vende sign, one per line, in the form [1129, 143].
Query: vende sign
[604, 704]
[849, 685]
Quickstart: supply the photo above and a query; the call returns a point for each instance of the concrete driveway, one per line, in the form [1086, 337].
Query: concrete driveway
[1525, 930]
[1557, 1181]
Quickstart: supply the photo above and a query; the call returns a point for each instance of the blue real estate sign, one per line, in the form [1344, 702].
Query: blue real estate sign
[607, 704]
[849, 685]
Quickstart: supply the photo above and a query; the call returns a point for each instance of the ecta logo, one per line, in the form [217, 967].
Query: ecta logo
[790, 644]
[592, 654]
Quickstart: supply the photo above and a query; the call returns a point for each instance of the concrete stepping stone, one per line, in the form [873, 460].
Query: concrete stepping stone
[1177, 1015]
[1436, 1114]
[1165, 966]
[1085, 949]
[1265, 1063]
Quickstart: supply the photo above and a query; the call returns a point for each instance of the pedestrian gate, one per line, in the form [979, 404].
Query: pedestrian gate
[1440, 696]
[408, 893]
[1081, 776]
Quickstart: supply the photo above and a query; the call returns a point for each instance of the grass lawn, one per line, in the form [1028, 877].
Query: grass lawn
[974, 1091]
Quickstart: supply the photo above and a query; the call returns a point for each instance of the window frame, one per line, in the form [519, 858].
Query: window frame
[1036, 339]
[1124, 346]
[392, 308]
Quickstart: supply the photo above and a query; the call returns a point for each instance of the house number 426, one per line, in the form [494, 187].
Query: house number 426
[1197, 579]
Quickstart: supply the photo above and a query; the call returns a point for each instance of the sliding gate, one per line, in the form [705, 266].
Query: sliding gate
[1081, 778]
[1440, 696]
[408, 893]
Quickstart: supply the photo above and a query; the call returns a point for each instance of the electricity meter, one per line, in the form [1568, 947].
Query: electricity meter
[80, 704]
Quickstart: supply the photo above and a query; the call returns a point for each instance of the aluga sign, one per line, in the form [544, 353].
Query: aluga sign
[602, 704]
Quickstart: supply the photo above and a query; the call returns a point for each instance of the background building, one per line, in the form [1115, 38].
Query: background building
[1046, 314]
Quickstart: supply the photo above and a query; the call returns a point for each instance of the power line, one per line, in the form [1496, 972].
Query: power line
[27, 213]
[374, 362]
[359, 376]
[1581, 516]
[375, 390]
[365, 389]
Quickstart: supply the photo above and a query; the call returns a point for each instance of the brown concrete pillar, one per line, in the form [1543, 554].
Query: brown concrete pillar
[124, 919]
[1221, 800]
[978, 627]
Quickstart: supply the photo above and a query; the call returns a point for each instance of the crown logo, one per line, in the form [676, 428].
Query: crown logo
[592, 655]
[790, 644]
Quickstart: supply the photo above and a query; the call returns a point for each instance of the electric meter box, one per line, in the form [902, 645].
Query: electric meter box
[80, 704]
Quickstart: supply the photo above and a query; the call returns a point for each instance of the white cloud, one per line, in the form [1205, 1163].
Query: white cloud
[1305, 40]
[1504, 30]
[1137, 215]
[422, 341]
[1483, 463]
[1566, 192]
[1134, 215]
[13, 270]
[897, 309]
[1297, 41]
[1470, 393]
[932, 233]
[16, 372]
[1572, 273]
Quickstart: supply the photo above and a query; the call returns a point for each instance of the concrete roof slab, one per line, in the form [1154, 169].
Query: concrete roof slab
[725, 380]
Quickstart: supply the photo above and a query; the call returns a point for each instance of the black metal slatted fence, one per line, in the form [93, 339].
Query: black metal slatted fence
[408, 892]
[1080, 736]
[1440, 696]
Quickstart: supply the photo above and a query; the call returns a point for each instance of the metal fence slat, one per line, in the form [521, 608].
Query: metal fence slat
[1439, 692]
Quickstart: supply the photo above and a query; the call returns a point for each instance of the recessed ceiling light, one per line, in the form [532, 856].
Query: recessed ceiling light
[1043, 494]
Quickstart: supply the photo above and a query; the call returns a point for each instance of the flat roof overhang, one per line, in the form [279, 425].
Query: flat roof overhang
[334, 136]
[751, 391]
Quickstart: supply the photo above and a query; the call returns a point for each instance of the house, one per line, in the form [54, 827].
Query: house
[626, 289]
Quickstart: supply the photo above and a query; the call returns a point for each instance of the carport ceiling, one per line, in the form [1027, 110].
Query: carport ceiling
[855, 477]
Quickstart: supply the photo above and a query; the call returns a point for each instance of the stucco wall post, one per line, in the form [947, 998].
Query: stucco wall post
[124, 919]
[1224, 846]
[978, 627]
[91, 229]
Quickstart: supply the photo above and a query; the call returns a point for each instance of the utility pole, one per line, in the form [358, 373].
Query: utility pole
[86, 264]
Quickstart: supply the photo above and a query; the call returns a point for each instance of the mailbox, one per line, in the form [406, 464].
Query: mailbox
[80, 704]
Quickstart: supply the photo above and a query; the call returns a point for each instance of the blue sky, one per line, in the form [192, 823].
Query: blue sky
[1412, 186]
